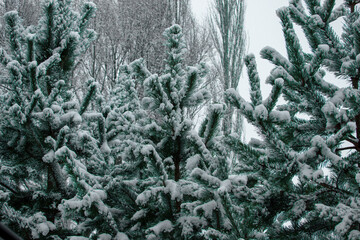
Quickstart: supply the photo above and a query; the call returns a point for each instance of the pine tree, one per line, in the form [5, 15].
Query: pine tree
[288, 164]
[168, 179]
[48, 151]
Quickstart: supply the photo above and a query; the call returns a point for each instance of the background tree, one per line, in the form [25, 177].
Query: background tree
[228, 36]
[122, 26]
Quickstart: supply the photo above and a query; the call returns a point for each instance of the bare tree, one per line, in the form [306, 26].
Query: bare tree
[228, 35]
[127, 30]
[179, 11]
[108, 52]
[132, 29]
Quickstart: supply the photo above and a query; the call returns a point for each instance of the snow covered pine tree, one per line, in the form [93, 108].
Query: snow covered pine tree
[289, 163]
[153, 178]
[167, 180]
[164, 180]
[45, 141]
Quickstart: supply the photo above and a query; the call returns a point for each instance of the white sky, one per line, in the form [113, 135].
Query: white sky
[263, 29]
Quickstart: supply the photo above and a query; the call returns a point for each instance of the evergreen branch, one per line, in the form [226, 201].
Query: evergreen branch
[59, 85]
[302, 231]
[61, 137]
[205, 178]
[293, 47]
[234, 98]
[32, 75]
[8, 187]
[139, 69]
[244, 150]
[88, 11]
[313, 5]
[201, 148]
[46, 43]
[99, 118]
[150, 152]
[318, 59]
[213, 122]
[86, 101]
[13, 26]
[68, 51]
[275, 57]
[14, 215]
[335, 189]
[347, 148]
[44, 67]
[190, 85]
[280, 72]
[30, 48]
[33, 102]
[327, 7]
[202, 128]
[274, 95]
[254, 80]
[154, 88]
[229, 215]
[4, 57]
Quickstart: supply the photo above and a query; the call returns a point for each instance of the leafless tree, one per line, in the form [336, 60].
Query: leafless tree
[132, 29]
[126, 30]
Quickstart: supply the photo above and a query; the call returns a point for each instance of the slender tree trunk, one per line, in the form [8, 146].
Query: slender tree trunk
[355, 85]
[177, 173]
[227, 121]
[50, 180]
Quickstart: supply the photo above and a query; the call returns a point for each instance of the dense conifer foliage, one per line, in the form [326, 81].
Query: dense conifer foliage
[43, 153]
[310, 183]
[132, 164]
[167, 167]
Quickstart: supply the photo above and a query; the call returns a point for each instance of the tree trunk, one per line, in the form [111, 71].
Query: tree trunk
[177, 173]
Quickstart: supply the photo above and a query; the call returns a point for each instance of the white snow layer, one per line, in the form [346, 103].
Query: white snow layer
[164, 226]
[121, 236]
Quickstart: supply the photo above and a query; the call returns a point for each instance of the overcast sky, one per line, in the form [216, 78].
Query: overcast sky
[263, 29]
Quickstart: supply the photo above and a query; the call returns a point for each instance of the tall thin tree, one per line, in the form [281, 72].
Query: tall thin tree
[228, 35]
